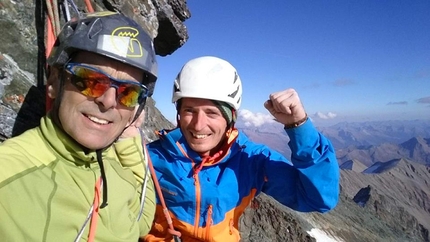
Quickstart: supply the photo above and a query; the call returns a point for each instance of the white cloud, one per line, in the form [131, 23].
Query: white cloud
[328, 115]
[254, 119]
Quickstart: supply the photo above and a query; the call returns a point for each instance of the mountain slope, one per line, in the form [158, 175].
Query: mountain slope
[395, 208]
[354, 165]
[399, 196]
[416, 149]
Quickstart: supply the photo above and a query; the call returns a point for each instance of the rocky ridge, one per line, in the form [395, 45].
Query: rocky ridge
[23, 102]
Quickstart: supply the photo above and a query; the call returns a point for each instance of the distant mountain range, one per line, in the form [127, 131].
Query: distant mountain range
[385, 182]
[345, 134]
[367, 142]
[416, 149]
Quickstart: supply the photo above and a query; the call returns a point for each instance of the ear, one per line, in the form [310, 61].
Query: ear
[53, 82]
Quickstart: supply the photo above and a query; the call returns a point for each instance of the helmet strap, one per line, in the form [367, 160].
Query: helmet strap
[139, 110]
[59, 97]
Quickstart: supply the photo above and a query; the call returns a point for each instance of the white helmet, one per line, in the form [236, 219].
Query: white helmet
[209, 77]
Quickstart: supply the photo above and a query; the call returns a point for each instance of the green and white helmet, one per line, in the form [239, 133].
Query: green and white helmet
[110, 34]
[209, 77]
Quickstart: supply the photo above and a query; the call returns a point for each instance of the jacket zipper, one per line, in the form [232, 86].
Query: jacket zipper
[197, 215]
[209, 223]
[197, 187]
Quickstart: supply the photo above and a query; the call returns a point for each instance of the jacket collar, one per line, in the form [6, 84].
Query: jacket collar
[174, 143]
[64, 145]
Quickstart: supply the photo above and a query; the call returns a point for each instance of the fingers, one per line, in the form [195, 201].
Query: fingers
[284, 101]
[269, 106]
[285, 106]
[132, 129]
[139, 120]
[129, 132]
[274, 110]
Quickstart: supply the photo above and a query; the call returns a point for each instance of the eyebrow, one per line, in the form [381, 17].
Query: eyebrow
[205, 109]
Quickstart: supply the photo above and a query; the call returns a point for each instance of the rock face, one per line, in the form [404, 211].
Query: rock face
[397, 198]
[23, 100]
[267, 220]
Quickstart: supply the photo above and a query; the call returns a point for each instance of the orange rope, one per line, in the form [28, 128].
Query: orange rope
[52, 30]
[56, 17]
[95, 215]
[171, 230]
[50, 12]
[50, 39]
[89, 6]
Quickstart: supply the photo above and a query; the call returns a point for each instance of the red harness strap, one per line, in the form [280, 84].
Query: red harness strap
[95, 214]
[176, 234]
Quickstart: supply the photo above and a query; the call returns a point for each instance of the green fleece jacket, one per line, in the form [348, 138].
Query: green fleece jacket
[47, 187]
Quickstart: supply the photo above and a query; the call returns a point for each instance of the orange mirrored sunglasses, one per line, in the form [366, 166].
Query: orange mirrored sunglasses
[94, 83]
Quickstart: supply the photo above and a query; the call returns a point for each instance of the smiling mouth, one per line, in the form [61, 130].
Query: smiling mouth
[97, 120]
[200, 136]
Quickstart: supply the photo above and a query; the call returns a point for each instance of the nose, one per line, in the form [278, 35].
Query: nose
[108, 100]
[199, 120]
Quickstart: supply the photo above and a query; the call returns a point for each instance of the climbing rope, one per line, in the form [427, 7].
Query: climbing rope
[176, 234]
[48, 26]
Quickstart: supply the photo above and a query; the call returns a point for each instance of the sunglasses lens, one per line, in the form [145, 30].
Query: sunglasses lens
[128, 94]
[89, 82]
[92, 83]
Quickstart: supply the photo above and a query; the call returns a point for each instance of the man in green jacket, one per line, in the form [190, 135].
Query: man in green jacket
[69, 179]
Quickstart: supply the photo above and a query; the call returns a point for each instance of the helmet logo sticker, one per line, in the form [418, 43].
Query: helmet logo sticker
[122, 42]
[128, 36]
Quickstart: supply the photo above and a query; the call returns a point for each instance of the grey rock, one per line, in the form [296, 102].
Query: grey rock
[22, 95]
[268, 220]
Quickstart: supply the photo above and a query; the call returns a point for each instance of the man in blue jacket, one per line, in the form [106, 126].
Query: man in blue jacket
[209, 171]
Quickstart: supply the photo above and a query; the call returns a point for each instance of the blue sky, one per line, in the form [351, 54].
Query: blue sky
[348, 60]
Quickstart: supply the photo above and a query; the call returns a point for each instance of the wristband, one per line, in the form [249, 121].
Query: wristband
[296, 124]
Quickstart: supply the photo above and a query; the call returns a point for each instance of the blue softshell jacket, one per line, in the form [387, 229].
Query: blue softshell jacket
[205, 200]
